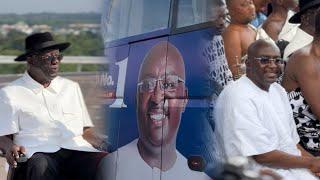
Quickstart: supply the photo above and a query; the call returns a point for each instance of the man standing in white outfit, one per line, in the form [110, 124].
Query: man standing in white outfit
[254, 118]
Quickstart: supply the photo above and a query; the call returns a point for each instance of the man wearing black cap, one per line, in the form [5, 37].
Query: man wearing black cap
[305, 32]
[44, 117]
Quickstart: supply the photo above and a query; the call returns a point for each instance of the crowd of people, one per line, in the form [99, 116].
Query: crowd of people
[271, 111]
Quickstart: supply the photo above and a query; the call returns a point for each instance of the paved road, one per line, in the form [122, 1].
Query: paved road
[90, 92]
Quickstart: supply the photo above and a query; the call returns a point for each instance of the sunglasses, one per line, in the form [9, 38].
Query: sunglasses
[51, 57]
[266, 60]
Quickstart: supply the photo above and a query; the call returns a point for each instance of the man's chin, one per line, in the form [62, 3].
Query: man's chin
[157, 142]
[271, 80]
[249, 19]
[52, 76]
[158, 139]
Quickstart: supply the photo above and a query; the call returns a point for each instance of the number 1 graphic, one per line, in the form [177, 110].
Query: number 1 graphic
[120, 84]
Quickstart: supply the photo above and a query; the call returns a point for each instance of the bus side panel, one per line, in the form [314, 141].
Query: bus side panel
[121, 117]
[195, 137]
[109, 80]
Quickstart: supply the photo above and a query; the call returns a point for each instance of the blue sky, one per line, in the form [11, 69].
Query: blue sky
[58, 6]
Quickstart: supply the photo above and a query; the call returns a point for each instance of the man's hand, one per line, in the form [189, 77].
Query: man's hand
[12, 154]
[97, 140]
[270, 173]
[315, 166]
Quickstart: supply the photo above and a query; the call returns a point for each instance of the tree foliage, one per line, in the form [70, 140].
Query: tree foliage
[84, 44]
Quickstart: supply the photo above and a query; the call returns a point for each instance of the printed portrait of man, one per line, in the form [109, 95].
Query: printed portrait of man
[161, 99]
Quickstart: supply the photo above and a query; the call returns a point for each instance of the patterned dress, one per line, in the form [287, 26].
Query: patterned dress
[308, 125]
[218, 76]
[217, 63]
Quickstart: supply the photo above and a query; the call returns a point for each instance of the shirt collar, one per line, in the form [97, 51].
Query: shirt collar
[36, 87]
[303, 34]
[254, 86]
[55, 85]
[300, 39]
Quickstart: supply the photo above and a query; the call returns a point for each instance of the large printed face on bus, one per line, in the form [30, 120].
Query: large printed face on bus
[161, 95]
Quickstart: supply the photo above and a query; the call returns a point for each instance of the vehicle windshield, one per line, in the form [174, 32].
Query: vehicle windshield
[125, 18]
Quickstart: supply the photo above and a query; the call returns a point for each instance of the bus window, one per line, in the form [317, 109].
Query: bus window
[125, 18]
[191, 12]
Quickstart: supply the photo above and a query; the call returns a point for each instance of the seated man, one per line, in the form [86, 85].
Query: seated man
[44, 117]
[254, 118]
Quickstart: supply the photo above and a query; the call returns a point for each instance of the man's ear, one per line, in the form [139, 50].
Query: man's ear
[248, 63]
[30, 60]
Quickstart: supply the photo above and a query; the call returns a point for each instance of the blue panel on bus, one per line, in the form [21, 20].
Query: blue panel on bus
[191, 111]
[195, 135]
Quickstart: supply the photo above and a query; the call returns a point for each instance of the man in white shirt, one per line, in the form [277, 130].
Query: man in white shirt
[161, 99]
[305, 32]
[44, 117]
[254, 118]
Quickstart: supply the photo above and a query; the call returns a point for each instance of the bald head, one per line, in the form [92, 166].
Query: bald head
[163, 58]
[257, 47]
[161, 99]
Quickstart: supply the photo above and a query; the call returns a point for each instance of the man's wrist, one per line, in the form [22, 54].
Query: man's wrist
[6, 144]
[308, 162]
[104, 146]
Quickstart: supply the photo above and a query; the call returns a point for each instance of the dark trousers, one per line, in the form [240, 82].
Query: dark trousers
[62, 165]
